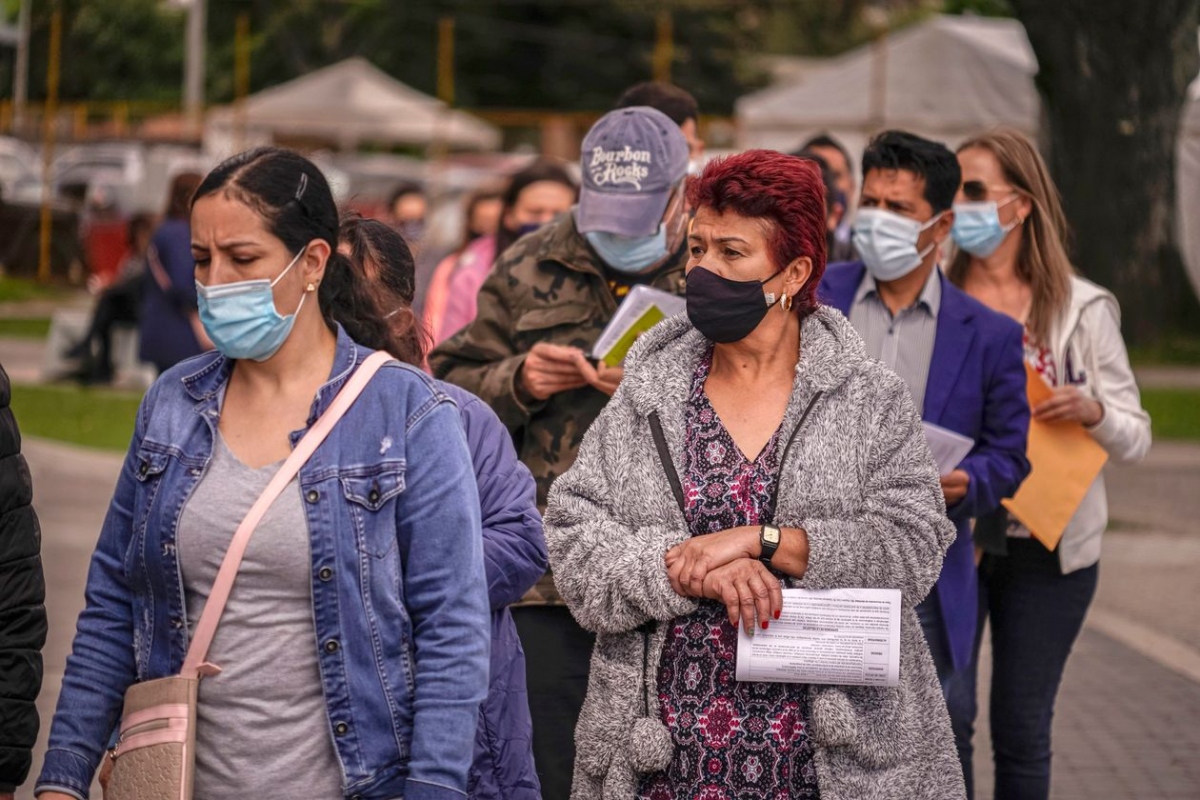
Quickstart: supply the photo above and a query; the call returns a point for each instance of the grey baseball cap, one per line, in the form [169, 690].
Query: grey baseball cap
[632, 158]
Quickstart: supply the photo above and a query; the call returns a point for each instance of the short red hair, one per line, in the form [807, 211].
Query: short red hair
[785, 191]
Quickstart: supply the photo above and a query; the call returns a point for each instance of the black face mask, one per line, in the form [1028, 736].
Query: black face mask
[725, 311]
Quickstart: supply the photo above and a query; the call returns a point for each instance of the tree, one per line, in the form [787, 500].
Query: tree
[563, 55]
[115, 50]
[1113, 76]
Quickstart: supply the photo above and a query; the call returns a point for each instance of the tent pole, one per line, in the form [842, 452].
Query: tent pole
[878, 90]
[51, 118]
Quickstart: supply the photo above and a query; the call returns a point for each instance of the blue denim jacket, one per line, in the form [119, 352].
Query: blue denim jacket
[397, 579]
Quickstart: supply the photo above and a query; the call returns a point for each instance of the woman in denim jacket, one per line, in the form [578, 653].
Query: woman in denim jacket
[354, 647]
[514, 548]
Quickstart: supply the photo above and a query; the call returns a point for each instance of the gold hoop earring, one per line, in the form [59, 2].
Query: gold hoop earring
[785, 302]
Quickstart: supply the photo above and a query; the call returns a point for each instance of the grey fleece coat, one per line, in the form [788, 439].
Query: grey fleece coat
[861, 482]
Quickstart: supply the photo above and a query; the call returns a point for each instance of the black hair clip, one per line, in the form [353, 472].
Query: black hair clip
[301, 186]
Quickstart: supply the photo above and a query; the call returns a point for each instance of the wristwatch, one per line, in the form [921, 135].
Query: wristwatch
[768, 540]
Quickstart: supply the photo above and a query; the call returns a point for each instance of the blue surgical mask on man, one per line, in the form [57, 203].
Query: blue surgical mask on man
[629, 255]
[241, 319]
[977, 229]
[887, 242]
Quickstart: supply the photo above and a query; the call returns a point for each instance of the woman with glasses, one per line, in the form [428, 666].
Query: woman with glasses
[1010, 231]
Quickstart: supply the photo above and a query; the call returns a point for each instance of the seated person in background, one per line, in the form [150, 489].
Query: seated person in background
[120, 302]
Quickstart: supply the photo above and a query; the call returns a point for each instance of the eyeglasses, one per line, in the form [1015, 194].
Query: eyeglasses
[978, 191]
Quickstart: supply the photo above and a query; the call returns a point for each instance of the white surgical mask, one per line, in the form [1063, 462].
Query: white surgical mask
[629, 256]
[977, 228]
[887, 242]
[241, 319]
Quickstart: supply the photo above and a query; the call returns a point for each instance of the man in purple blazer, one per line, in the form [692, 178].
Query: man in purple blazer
[963, 363]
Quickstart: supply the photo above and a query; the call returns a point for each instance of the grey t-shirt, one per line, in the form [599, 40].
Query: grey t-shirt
[262, 727]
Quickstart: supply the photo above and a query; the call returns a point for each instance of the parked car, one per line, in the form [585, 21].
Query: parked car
[20, 171]
[134, 175]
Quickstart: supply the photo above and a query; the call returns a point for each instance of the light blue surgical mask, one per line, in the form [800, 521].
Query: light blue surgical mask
[241, 319]
[887, 242]
[626, 255]
[977, 229]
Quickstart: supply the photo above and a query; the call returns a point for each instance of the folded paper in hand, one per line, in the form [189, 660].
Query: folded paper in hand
[948, 448]
[1064, 461]
[847, 637]
[642, 309]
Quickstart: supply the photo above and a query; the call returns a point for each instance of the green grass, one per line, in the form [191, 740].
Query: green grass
[32, 328]
[1174, 413]
[18, 290]
[1172, 351]
[102, 418]
[97, 418]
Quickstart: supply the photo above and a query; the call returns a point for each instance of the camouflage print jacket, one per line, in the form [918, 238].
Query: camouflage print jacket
[548, 287]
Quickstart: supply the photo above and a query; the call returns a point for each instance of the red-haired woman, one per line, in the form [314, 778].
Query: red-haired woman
[751, 446]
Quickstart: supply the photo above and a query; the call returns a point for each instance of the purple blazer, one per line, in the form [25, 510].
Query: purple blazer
[976, 387]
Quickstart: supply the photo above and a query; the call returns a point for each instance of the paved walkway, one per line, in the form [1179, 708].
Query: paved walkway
[1126, 726]
[1125, 729]
[1168, 377]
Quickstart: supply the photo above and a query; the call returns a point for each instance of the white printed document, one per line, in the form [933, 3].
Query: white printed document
[642, 309]
[847, 637]
[948, 448]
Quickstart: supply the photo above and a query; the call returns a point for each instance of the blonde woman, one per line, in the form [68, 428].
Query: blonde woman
[1010, 230]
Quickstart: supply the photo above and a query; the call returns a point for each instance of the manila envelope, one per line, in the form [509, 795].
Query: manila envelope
[1064, 460]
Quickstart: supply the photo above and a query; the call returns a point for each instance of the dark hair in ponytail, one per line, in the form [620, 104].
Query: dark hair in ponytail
[381, 318]
[293, 198]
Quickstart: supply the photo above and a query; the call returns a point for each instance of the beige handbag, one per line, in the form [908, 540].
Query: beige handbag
[156, 754]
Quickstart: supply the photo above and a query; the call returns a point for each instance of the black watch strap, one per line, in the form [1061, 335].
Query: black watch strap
[768, 539]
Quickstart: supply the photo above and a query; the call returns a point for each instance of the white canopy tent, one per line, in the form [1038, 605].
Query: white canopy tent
[1187, 184]
[946, 79]
[346, 104]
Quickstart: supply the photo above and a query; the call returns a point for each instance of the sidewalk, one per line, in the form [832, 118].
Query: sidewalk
[1168, 377]
[1126, 724]
[1125, 728]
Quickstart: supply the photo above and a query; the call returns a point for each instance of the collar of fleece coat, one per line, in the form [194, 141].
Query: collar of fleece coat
[659, 370]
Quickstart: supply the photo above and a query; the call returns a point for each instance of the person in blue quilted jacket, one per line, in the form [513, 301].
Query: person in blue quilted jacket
[513, 546]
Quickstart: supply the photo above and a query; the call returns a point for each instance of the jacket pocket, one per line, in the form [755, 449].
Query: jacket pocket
[149, 464]
[369, 492]
[539, 320]
[602, 734]
[373, 486]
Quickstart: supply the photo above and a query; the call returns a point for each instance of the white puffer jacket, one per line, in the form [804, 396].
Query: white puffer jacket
[1090, 353]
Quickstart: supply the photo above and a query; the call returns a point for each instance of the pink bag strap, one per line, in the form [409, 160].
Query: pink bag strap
[194, 664]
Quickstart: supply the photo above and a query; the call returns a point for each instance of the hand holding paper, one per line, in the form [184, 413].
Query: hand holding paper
[948, 448]
[1065, 461]
[848, 637]
[642, 309]
[550, 369]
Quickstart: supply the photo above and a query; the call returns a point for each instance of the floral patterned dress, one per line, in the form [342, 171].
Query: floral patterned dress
[733, 741]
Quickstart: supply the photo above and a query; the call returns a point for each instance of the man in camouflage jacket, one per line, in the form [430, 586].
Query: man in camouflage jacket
[550, 287]
[540, 311]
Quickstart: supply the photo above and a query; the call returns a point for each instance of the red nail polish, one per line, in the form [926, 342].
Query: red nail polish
[777, 613]
[765, 624]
